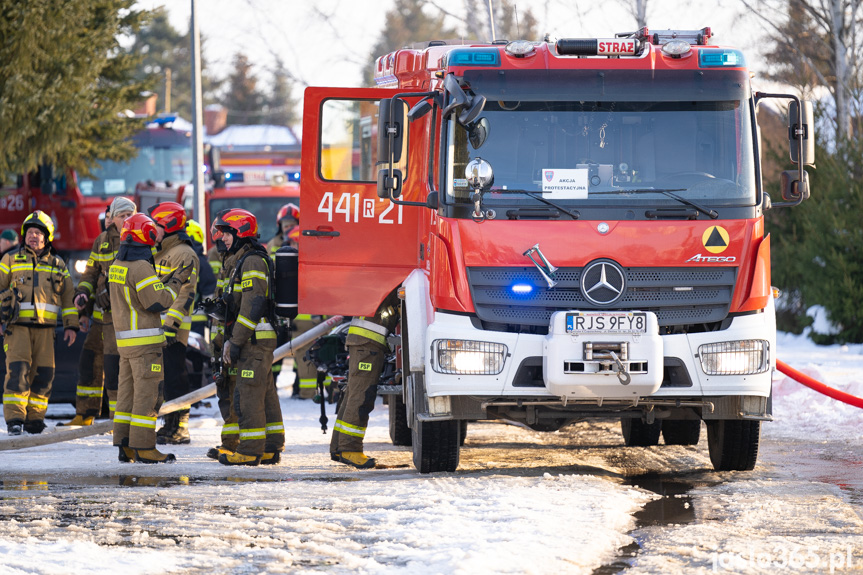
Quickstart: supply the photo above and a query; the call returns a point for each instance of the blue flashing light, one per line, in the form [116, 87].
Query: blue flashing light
[721, 58]
[522, 289]
[487, 57]
[228, 175]
[294, 176]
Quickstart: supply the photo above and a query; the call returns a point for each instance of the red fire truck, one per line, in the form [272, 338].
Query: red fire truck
[575, 230]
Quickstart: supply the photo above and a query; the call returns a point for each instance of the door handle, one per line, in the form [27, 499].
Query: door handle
[319, 233]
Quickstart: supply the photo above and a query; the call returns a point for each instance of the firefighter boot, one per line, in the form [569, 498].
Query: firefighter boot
[153, 456]
[168, 428]
[180, 434]
[239, 459]
[15, 427]
[271, 458]
[34, 426]
[127, 454]
[215, 452]
[355, 458]
[78, 420]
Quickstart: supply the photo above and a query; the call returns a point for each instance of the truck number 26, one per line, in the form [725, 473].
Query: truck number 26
[354, 207]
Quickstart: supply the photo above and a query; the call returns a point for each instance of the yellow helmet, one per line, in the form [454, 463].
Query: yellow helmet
[195, 231]
[40, 220]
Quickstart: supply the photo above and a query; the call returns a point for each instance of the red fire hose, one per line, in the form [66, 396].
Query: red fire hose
[818, 386]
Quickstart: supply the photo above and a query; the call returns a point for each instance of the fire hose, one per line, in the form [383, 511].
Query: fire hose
[818, 386]
[281, 352]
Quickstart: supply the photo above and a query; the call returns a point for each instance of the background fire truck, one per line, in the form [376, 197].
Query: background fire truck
[575, 230]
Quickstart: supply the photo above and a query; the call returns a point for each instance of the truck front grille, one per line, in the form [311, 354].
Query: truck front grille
[703, 295]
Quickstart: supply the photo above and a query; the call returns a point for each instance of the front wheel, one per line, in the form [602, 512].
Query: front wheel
[733, 443]
[400, 433]
[436, 445]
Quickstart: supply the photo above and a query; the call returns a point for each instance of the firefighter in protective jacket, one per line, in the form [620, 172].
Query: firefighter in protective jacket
[93, 288]
[250, 340]
[35, 291]
[138, 296]
[174, 249]
[367, 349]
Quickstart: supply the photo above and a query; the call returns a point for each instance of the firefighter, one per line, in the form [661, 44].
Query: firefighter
[305, 371]
[250, 340]
[367, 351]
[35, 290]
[138, 296]
[174, 249]
[100, 346]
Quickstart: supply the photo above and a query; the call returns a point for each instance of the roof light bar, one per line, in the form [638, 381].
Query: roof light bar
[721, 58]
[598, 46]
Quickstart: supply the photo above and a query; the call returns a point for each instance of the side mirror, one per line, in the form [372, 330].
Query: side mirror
[433, 200]
[458, 99]
[793, 190]
[389, 184]
[806, 132]
[477, 133]
[420, 109]
[397, 109]
[477, 104]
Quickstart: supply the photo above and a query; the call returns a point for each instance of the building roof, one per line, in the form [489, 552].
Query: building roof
[255, 136]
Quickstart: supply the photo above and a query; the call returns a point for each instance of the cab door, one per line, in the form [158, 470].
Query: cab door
[355, 248]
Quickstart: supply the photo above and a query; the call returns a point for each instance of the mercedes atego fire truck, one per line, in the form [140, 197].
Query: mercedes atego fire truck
[575, 230]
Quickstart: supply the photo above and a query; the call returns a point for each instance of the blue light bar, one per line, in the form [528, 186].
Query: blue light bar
[487, 57]
[522, 289]
[294, 176]
[721, 58]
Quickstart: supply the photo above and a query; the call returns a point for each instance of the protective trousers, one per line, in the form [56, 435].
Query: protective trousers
[225, 387]
[307, 371]
[256, 402]
[176, 376]
[139, 398]
[88, 400]
[366, 363]
[29, 372]
[112, 363]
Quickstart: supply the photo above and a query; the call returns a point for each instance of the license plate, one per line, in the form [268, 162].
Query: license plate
[606, 322]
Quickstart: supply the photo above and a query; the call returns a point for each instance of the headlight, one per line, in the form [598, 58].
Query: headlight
[80, 266]
[744, 357]
[465, 357]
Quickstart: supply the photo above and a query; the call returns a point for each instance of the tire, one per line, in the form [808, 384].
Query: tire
[400, 433]
[462, 432]
[436, 445]
[636, 433]
[681, 431]
[733, 444]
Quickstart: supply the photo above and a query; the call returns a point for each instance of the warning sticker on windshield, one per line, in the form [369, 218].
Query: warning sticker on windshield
[565, 184]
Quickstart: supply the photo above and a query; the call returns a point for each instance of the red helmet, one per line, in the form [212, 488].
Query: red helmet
[288, 211]
[169, 215]
[294, 233]
[139, 229]
[243, 222]
[215, 232]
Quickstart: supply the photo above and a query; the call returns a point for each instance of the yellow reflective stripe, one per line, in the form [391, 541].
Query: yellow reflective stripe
[69, 311]
[122, 416]
[246, 322]
[134, 341]
[175, 314]
[97, 314]
[160, 269]
[217, 266]
[308, 382]
[87, 286]
[231, 429]
[367, 333]
[142, 421]
[275, 427]
[304, 317]
[257, 433]
[37, 402]
[13, 399]
[112, 405]
[199, 317]
[106, 257]
[172, 292]
[265, 335]
[87, 391]
[22, 267]
[146, 282]
[254, 274]
[349, 429]
[27, 313]
[4, 268]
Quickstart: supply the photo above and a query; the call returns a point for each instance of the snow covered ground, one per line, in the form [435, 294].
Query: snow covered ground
[573, 501]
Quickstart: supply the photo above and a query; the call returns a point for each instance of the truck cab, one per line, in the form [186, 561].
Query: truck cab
[575, 230]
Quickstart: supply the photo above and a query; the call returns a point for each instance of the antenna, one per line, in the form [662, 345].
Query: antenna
[491, 19]
[517, 27]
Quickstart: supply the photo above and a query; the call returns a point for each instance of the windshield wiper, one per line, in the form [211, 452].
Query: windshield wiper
[573, 215]
[712, 214]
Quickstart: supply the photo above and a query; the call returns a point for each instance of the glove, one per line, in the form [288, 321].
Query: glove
[230, 353]
[81, 299]
[170, 336]
[103, 298]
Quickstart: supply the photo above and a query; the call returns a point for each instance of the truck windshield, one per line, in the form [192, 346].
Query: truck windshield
[164, 155]
[582, 138]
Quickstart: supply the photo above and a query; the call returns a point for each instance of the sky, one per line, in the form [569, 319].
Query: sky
[327, 42]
